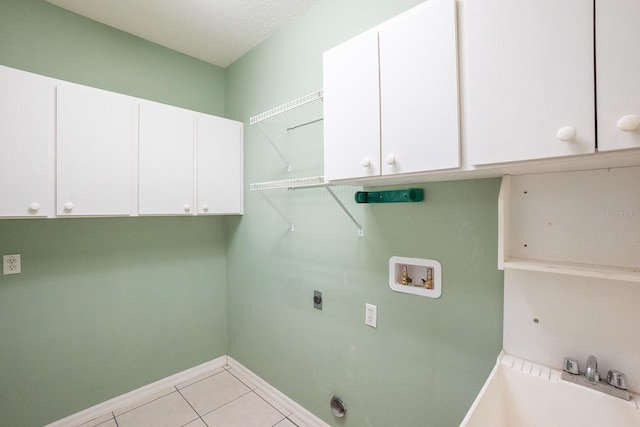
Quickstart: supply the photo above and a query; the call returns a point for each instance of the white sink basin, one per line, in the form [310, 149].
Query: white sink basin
[519, 393]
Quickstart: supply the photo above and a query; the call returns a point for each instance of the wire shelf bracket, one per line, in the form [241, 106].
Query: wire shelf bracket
[310, 182]
[275, 147]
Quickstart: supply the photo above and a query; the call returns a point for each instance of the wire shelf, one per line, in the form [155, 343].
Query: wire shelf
[314, 181]
[294, 114]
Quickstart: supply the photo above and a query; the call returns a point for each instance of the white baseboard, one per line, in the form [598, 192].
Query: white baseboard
[138, 394]
[297, 410]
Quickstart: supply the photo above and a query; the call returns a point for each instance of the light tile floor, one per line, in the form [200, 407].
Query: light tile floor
[222, 397]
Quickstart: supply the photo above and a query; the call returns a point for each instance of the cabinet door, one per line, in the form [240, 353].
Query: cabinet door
[352, 109]
[618, 74]
[419, 89]
[95, 137]
[166, 160]
[528, 80]
[219, 165]
[27, 139]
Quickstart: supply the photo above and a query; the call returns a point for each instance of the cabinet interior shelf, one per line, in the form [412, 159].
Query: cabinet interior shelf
[530, 206]
[575, 269]
[308, 182]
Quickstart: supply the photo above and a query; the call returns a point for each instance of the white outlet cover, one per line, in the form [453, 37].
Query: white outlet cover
[371, 315]
[11, 264]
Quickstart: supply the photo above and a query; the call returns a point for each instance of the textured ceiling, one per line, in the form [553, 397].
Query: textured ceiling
[215, 31]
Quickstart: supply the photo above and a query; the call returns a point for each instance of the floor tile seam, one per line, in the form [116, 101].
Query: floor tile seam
[269, 403]
[249, 386]
[293, 422]
[165, 392]
[279, 421]
[196, 382]
[257, 387]
[225, 404]
[115, 420]
[191, 406]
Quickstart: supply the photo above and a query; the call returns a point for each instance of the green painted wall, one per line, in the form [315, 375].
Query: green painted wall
[428, 358]
[105, 305]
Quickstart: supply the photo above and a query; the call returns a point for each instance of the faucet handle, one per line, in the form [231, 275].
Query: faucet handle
[617, 379]
[570, 365]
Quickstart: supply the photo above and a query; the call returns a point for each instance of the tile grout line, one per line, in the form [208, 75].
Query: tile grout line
[245, 384]
[286, 417]
[194, 409]
[196, 382]
[225, 404]
[145, 403]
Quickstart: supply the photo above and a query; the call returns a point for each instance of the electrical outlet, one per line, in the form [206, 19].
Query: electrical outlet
[317, 300]
[371, 315]
[11, 264]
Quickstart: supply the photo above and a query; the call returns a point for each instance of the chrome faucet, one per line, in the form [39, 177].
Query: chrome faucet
[616, 384]
[591, 374]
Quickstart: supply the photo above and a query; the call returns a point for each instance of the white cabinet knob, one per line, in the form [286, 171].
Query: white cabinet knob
[35, 206]
[629, 123]
[187, 207]
[365, 162]
[205, 207]
[68, 206]
[391, 159]
[567, 134]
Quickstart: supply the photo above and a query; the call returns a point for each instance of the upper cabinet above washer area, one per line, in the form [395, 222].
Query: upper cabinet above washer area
[391, 97]
[530, 96]
[527, 78]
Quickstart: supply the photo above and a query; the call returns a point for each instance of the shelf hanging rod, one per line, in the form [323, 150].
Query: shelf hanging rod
[305, 124]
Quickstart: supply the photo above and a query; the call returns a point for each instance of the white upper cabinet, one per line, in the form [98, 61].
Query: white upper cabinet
[27, 141]
[352, 109]
[528, 81]
[391, 97]
[73, 150]
[618, 73]
[419, 89]
[219, 163]
[166, 160]
[96, 134]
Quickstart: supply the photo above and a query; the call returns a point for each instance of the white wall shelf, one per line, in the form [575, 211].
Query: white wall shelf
[582, 223]
[300, 112]
[294, 183]
[294, 114]
[313, 181]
